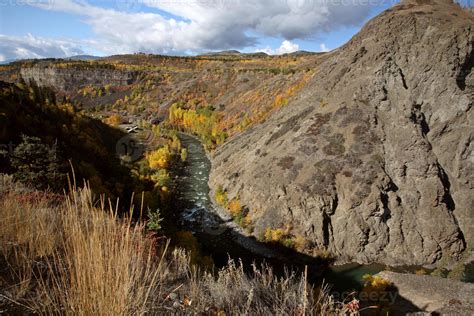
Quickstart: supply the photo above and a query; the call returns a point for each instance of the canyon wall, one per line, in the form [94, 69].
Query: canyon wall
[373, 160]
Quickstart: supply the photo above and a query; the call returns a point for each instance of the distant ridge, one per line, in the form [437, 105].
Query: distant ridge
[234, 53]
[304, 52]
[83, 57]
[5, 62]
[257, 54]
[222, 53]
[76, 58]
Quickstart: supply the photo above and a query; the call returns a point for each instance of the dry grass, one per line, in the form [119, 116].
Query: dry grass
[29, 221]
[104, 267]
[91, 263]
[262, 293]
[71, 256]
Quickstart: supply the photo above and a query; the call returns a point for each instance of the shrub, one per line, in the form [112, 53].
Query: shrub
[286, 162]
[275, 71]
[239, 219]
[234, 207]
[300, 243]
[161, 178]
[421, 272]
[458, 272]
[375, 290]
[288, 242]
[107, 88]
[247, 222]
[114, 120]
[246, 121]
[280, 101]
[175, 143]
[154, 220]
[184, 155]
[221, 197]
[322, 253]
[283, 237]
[159, 159]
[274, 235]
[375, 283]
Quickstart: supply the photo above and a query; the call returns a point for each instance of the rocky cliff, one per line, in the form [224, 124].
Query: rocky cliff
[373, 160]
[46, 74]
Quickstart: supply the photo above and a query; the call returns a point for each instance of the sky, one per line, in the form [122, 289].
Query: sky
[63, 28]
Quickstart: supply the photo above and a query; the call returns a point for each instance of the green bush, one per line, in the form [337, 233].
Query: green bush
[154, 221]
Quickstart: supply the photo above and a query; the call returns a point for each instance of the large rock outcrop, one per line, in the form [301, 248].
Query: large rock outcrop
[46, 74]
[373, 161]
[433, 295]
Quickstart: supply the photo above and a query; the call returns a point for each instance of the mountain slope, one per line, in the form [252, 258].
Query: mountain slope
[243, 89]
[373, 160]
[88, 144]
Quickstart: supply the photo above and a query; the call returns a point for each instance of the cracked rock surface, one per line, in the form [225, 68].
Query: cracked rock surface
[69, 79]
[435, 296]
[373, 160]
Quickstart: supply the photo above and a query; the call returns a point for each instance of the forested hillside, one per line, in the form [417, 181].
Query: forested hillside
[40, 136]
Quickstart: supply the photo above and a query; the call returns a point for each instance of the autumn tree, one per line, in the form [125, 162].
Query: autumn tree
[160, 158]
[114, 120]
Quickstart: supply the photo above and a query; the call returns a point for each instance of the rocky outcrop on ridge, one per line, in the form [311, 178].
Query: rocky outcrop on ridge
[46, 74]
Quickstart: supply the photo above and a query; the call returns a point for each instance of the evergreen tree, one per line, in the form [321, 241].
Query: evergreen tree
[38, 164]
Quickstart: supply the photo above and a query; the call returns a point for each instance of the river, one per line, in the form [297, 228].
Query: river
[220, 242]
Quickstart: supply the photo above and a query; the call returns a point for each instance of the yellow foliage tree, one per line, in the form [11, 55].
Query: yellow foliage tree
[160, 158]
[280, 100]
[375, 283]
[203, 122]
[235, 208]
[113, 120]
[274, 235]
[221, 197]
[376, 289]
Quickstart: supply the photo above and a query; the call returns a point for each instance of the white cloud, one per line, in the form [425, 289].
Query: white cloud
[36, 47]
[285, 48]
[324, 48]
[203, 25]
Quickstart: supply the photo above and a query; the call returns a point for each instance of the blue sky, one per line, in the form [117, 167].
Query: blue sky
[60, 28]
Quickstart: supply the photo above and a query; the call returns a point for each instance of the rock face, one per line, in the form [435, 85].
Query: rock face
[68, 79]
[431, 294]
[373, 161]
[469, 9]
